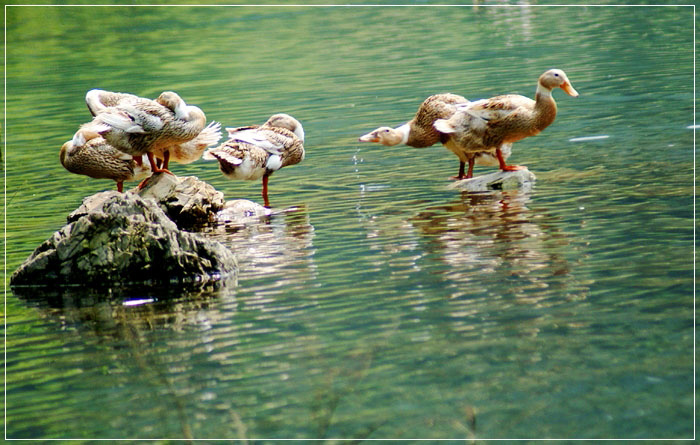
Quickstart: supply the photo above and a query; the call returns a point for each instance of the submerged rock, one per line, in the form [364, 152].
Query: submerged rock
[241, 210]
[500, 180]
[119, 238]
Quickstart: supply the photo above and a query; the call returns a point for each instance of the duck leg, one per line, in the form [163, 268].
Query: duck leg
[502, 163]
[120, 186]
[155, 167]
[461, 174]
[264, 189]
[471, 167]
[166, 159]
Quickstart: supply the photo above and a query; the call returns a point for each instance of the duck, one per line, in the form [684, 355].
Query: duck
[192, 150]
[420, 131]
[493, 125]
[257, 151]
[97, 159]
[98, 100]
[146, 126]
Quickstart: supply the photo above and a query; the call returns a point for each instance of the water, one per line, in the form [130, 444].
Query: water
[380, 304]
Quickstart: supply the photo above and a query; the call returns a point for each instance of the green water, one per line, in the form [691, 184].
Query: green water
[385, 305]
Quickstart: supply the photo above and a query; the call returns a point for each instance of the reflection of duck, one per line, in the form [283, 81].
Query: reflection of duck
[256, 152]
[145, 126]
[485, 237]
[98, 159]
[277, 245]
[493, 124]
[420, 131]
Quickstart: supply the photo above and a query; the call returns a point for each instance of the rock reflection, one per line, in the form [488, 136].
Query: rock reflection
[278, 246]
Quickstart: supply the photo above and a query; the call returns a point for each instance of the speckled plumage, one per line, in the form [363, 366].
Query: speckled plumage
[492, 125]
[190, 151]
[97, 100]
[255, 152]
[143, 126]
[422, 133]
[98, 159]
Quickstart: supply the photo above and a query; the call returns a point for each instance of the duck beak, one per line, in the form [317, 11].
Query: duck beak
[369, 137]
[568, 89]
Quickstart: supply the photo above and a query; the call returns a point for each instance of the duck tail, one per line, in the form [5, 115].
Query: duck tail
[210, 135]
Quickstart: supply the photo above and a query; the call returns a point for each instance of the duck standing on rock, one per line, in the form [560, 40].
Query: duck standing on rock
[420, 131]
[255, 152]
[98, 159]
[184, 153]
[143, 126]
[492, 125]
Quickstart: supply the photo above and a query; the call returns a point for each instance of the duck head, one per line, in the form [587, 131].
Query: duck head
[556, 78]
[282, 120]
[384, 136]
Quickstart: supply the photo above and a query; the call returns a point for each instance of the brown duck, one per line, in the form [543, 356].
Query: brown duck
[255, 152]
[146, 126]
[420, 131]
[98, 159]
[492, 125]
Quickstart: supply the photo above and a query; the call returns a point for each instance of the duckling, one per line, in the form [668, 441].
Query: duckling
[420, 132]
[255, 152]
[146, 126]
[492, 125]
[97, 159]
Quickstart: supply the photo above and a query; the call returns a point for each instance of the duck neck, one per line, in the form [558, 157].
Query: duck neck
[545, 107]
[404, 130]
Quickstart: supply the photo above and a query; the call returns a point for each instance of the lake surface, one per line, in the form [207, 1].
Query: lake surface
[381, 304]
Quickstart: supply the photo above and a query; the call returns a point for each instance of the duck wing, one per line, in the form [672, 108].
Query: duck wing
[498, 107]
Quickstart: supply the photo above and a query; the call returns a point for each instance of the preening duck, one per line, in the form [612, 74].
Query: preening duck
[420, 131]
[97, 159]
[255, 152]
[492, 125]
[98, 100]
[146, 126]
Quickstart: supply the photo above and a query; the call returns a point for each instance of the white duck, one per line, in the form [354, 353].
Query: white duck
[256, 152]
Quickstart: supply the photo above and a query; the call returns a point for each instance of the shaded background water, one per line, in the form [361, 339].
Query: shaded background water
[386, 305]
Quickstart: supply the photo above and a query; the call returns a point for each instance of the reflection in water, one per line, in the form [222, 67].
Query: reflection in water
[495, 235]
[134, 330]
[279, 247]
[124, 332]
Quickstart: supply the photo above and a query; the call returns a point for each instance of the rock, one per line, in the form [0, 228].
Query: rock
[240, 210]
[187, 200]
[500, 180]
[121, 238]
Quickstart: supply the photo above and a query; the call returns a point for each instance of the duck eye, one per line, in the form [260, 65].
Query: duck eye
[556, 74]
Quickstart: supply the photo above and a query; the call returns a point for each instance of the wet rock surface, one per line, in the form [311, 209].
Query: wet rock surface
[188, 201]
[120, 238]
